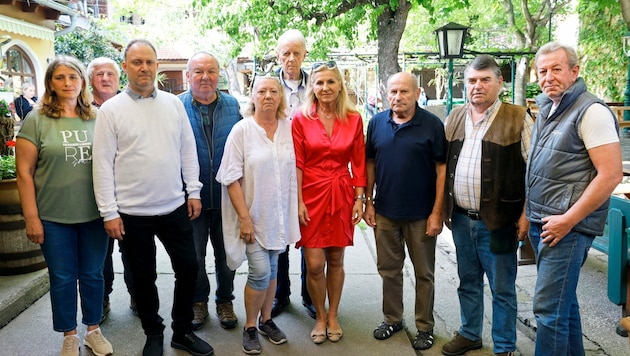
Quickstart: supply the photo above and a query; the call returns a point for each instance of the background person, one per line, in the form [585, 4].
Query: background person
[212, 115]
[291, 52]
[259, 208]
[104, 75]
[488, 144]
[24, 103]
[573, 167]
[146, 180]
[54, 177]
[328, 138]
[405, 152]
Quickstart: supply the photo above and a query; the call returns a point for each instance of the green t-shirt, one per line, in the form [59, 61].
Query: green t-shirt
[63, 176]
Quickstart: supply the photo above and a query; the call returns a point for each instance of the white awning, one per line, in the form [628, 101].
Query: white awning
[28, 29]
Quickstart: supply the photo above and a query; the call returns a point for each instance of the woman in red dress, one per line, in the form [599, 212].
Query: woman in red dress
[330, 156]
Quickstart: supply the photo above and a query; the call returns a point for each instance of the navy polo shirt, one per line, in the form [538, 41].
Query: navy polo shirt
[405, 157]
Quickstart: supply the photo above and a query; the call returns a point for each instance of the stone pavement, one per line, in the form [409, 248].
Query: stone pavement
[31, 332]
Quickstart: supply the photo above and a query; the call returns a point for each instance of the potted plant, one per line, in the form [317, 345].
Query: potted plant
[8, 183]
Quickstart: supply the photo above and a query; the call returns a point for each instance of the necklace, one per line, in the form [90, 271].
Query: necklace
[324, 114]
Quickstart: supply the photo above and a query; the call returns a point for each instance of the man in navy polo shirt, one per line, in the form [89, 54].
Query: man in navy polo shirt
[406, 152]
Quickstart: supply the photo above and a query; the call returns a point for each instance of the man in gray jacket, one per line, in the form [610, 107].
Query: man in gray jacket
[212, 115]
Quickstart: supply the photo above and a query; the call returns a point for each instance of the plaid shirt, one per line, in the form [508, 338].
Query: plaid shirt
[467, 187]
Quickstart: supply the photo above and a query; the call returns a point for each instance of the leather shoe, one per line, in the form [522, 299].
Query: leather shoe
[310, 310]
[278, 306]
[191, 343]
[154, 346]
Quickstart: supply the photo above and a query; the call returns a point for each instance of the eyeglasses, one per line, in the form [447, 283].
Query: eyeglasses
[329, 65]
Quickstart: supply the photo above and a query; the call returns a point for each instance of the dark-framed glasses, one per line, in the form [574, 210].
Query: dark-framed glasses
[328, 64]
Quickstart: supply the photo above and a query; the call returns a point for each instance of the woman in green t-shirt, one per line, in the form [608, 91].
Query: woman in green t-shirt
[54, 176]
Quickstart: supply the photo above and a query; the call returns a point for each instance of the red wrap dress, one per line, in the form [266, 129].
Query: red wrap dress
[332, 167]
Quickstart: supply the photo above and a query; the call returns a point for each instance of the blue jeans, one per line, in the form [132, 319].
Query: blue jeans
[559, 327]
[209, 222]
[175, 232]
[474, 258]
[75, 252]
[263, 266]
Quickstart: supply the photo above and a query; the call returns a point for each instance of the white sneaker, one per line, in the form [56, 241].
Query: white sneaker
[98, 343]
[71, 344]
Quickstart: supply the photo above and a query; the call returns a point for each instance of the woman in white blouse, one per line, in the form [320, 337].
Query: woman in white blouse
[260, 208]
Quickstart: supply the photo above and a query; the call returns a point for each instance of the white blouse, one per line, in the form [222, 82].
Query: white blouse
[267, 174]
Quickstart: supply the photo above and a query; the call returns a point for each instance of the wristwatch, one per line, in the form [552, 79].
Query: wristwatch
[360, 197]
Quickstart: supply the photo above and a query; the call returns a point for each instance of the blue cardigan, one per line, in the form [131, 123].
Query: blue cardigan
[225, 116]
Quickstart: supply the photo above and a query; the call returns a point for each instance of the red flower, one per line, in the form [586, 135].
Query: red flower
[11, 143]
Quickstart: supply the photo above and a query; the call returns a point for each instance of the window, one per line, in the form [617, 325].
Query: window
[17, 69]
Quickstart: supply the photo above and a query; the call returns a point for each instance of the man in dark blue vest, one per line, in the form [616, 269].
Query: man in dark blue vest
[574, 166]
[212, 115]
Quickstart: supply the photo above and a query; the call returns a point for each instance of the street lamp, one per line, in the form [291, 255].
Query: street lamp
[451, 43]
[626, 50]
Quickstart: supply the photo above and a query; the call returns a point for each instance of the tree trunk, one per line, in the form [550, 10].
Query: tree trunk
[521, 78]
[625, 11]
[391, 25]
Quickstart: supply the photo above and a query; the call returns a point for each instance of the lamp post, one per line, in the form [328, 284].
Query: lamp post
[626, 50]
[451, 44]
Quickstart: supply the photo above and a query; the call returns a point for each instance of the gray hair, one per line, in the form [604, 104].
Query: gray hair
[27, 85]
[483, 62]
[551, 47]
[199, 53]
[100, 61]
[291, 36]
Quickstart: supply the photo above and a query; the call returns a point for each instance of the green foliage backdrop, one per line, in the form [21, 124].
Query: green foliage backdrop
[604, 66]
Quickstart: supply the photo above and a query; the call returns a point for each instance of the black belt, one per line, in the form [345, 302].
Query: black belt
[472, 214]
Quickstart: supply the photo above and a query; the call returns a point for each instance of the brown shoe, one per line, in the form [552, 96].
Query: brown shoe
[227, 318]
[460, 345]
[200, 313]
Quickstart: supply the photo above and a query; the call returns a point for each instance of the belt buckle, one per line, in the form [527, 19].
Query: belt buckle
[473, 214]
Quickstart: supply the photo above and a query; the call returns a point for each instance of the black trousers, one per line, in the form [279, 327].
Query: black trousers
[175, 232]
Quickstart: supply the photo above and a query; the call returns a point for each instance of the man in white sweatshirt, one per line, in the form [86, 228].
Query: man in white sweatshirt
[146, 182]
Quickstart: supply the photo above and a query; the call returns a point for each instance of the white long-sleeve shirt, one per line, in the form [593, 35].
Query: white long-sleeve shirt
[266, 172]
[144, 156]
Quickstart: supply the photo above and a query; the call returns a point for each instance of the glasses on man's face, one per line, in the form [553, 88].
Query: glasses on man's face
[329, 65]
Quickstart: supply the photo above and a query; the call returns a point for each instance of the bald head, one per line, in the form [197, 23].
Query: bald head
[403, 94]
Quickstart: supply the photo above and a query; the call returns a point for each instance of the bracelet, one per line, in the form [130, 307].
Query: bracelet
[360, 197]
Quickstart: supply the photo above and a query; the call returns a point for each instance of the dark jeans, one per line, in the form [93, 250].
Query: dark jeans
[108, 271]
[175, 232]
[209, 222]
[283, 289]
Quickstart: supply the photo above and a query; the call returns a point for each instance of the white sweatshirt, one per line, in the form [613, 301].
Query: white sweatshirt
[144, 156]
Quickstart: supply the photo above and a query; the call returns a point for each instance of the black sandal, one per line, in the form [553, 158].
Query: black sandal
[385, 331]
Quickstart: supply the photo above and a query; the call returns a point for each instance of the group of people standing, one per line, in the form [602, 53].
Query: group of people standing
[295, 167]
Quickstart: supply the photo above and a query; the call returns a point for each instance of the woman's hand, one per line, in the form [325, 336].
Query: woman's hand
[247, 231]
[303, 214]
[35, 230]
[357, 211]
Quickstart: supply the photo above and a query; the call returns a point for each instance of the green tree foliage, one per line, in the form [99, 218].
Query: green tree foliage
[85, 45]
[329, 24]
[604, 66]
